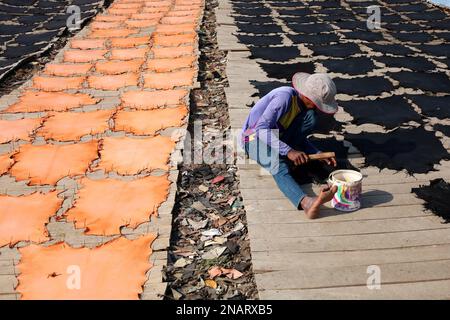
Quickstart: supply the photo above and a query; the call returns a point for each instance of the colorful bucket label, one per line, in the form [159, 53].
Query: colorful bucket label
[348, 195]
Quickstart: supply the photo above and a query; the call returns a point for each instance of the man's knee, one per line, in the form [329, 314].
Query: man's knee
[309, 121]
[280, 167]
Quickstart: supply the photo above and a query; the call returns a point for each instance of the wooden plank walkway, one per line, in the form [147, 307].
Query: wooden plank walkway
[328, 258]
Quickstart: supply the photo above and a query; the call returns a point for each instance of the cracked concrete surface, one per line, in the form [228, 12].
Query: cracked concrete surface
[101, 42]
[392, 230]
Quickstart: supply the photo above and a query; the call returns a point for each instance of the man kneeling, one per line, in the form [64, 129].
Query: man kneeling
[276, 130]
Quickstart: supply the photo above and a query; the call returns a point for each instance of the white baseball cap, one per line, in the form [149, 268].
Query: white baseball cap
[319, 88]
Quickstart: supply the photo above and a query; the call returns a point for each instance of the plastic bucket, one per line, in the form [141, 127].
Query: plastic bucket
[349, 184]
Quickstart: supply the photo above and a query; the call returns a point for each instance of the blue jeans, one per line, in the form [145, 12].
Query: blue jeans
[296, 137]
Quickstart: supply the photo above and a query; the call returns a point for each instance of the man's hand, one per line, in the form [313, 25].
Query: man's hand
[330, 161]
[297, 157]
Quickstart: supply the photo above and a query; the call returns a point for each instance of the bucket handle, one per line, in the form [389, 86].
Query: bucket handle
[330, 180]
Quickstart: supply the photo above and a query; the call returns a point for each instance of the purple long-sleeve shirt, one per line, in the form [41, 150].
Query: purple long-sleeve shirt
[265, 116]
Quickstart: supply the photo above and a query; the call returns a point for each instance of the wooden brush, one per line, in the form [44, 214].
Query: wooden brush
[322, 155]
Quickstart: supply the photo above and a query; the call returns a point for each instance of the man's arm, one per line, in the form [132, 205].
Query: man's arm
[266, 124]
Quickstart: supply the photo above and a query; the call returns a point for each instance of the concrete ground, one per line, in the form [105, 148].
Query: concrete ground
[88, 157]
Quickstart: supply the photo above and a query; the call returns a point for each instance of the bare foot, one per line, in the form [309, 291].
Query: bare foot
[311, 205]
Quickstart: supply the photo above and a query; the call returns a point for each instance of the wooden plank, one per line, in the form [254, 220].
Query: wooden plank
[227, 41]
[274, 260]
[324, 257]
[369, 179]
[372, 178]
[369, 172]
[418, 291]
[222, 19]
[367, 202]
[326, 276]
[242, 113]
[412, 238]
[252, 191]
[339, 228]
[237, 124]
[327, 215]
